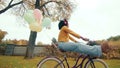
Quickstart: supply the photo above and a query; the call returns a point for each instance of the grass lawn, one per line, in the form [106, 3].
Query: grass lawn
[20, 62]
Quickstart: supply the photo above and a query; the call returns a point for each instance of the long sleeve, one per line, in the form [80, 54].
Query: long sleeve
[71, 32]
[72, 39]
[64, 34]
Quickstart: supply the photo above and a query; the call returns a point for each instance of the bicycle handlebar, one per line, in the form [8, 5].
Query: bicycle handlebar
[92, 43]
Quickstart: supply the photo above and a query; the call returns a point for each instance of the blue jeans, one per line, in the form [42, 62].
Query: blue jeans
[81, 48]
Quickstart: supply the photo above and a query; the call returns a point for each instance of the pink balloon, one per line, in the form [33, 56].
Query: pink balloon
[38, 15]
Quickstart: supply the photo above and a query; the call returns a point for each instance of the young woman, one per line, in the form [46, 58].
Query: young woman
[64, 44]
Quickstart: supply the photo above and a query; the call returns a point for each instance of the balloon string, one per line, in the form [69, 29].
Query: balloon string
[47, 34]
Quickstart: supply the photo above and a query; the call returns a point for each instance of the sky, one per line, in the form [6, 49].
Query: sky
[93, 19]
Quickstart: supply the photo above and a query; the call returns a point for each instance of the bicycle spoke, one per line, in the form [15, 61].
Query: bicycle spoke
[50, 63]
[97, 63]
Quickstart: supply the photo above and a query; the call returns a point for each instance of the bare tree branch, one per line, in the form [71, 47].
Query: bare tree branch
[10, 2]
[48, 2]
[10, 6]
[47, 10]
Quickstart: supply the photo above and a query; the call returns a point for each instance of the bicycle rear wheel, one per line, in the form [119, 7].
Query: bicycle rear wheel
[50, 62]
[97, 63]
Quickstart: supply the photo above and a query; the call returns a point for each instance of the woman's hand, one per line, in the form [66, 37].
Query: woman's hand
[85, 39]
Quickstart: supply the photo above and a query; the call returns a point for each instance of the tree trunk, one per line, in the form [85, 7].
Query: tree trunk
[31, 45]
[33, 35]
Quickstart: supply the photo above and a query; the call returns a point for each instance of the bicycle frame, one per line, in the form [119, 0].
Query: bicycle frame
[83, 60]
[76, 65]
[87, 61]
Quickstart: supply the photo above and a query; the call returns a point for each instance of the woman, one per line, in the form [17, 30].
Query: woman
[64, 44]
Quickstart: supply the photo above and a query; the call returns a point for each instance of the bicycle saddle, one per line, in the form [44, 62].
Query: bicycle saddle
[55, 42]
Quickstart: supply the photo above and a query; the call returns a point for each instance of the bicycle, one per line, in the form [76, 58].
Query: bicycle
[55, 62]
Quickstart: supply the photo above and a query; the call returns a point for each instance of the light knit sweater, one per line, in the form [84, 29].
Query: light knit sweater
[64, 35]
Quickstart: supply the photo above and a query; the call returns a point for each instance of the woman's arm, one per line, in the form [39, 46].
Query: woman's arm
[74, 34]
[66, 29]
[72, 39]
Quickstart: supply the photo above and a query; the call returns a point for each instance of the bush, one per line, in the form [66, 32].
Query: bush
[2, 49]
[113, 54]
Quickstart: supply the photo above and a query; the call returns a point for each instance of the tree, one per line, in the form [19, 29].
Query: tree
[54, 9]
[2, 35]
[115, 38]
[10, 5]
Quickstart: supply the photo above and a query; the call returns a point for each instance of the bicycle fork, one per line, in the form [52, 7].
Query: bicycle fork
[91, 63]
[65, 59]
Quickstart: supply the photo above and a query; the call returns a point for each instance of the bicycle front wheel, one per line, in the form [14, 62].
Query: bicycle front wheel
[96, 63]
[50, 62]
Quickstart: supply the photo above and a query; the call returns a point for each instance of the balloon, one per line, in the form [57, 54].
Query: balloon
[29, 17]
[48, 27]
[46, 22]
[38, 15]
[35, 27]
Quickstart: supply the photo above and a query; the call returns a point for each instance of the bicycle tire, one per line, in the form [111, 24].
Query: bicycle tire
[50, 62]
[98, 63]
